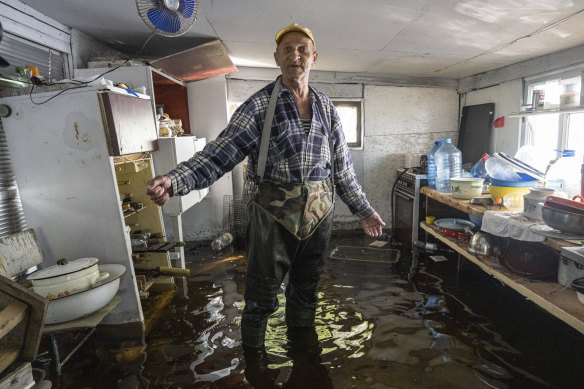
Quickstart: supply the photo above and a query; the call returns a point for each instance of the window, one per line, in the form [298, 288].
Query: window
[350, 112]
[557, 122]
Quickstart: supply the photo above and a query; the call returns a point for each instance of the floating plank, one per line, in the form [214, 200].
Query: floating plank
[17, 376]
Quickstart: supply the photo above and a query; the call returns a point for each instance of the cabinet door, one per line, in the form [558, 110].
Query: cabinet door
[129, 122]
[172, 151]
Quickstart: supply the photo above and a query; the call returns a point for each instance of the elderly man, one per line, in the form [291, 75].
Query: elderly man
[297, 159]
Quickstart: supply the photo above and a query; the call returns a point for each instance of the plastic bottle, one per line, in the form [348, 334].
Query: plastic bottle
[223, 240]
[432, 164]
[448, 165]
[479, 169]
[564, 174]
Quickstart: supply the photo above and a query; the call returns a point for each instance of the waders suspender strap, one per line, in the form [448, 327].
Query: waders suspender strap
[330, 138]
[267, 131]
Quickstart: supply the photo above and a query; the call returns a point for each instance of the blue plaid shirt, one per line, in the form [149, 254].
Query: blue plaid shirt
[293, 157]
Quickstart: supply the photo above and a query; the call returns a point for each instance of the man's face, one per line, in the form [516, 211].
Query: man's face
[295, 55]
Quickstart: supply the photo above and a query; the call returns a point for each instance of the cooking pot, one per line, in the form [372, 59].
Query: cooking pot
[530, 259]
[66, 278]
[85, 302]
[568, 222]
[532, 202]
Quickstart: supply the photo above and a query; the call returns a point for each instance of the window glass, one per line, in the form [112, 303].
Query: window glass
[350, 115]
[542, 132]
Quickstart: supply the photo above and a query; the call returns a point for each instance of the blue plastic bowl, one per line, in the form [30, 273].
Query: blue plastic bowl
[527, 181]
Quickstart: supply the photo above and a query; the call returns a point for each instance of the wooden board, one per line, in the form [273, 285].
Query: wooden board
[19, 252]
[36, 318]
[556, 299]
[18, 376]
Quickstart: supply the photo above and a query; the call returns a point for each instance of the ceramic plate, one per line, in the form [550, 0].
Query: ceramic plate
[454, 224]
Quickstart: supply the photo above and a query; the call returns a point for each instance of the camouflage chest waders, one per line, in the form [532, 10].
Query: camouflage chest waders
[287, 237]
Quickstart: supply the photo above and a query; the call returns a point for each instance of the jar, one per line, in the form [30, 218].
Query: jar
[532, 202]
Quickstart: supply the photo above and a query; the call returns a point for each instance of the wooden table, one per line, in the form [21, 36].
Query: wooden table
[558, 300]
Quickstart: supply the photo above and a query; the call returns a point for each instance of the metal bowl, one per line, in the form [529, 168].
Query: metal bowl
[479, 243]
[568, 222]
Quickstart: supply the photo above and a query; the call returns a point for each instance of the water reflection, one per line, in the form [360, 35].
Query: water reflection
[373, 330]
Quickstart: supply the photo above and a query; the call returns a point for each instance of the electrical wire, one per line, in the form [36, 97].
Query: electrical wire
[83, 84]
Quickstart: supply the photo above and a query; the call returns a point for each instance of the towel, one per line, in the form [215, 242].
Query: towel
[510, 225]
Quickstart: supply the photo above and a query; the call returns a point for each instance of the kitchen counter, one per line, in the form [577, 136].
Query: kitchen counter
[554, 298]
[479, 210]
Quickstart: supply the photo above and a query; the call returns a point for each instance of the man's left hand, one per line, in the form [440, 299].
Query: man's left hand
[372, 225]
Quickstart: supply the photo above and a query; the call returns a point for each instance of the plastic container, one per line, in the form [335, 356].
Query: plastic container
[223, 240]
[479, 169]
[499, 170]
[448, 165]
[565, 175]
[431, 160]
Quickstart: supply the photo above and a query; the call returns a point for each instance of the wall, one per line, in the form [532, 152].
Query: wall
[398, 121]
[507, 97]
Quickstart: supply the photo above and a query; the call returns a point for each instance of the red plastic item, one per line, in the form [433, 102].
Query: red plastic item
[499, 122]
[574, 206]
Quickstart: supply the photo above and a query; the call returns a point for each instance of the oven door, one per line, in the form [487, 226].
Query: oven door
[403, 218]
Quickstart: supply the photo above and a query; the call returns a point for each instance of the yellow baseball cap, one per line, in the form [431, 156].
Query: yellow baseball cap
[294, 27]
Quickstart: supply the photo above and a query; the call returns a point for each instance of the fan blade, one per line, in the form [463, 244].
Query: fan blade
[164, 20]
[187, 8]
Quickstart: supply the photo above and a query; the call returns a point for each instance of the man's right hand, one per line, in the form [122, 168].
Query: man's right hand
[159, 189]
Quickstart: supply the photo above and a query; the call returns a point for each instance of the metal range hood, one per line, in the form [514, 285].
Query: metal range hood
[201, 62]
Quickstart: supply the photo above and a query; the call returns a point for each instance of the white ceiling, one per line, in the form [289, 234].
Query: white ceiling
[423, 38]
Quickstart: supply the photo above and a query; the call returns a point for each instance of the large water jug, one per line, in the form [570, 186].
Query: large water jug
[448, 165]
[431, 159]
[564, 175]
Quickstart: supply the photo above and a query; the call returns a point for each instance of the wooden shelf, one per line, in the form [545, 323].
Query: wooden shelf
[560, 301]
[479, 210]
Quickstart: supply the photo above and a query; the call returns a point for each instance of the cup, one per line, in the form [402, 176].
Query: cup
[430, 219]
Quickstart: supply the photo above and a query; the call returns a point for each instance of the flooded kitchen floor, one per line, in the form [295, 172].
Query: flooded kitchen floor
[375, 330]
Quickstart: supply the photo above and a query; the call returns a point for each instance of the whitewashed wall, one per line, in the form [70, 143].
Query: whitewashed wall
[507, 99]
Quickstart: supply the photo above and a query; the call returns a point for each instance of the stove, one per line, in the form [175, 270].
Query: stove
[408, 209]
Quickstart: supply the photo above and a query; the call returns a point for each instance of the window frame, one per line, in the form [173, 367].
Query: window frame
[563, 114]
[359, 103]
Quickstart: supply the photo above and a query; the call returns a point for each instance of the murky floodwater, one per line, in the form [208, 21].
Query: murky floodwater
[375, 330]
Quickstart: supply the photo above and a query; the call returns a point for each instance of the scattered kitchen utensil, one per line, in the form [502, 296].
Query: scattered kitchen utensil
[454, 224]
[530, 259]
[163, 271]
[466, 187]
[484, 201]
[499, 188]
[532, 202]
[520, 166]
[66, 278]
[480, 243]
[80, 304]
[575, 205]
[568, 222]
